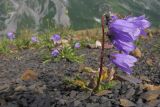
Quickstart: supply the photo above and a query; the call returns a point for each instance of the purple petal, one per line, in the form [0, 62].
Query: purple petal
[77, 45]
[124, 30]
[56, 38]
[34, 39]
[11, 35]
[123, 61]
[126, 47]
[141, 22]
[55, 53]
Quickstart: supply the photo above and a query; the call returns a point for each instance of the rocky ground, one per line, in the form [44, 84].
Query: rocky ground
[48, 87]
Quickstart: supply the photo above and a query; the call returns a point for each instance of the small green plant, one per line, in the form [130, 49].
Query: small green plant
[4, 46]
[108, 85]
[22, 43]
[45, 41]
[69, 54]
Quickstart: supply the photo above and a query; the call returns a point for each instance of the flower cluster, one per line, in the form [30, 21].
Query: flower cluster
[57, 40]
[123, 33]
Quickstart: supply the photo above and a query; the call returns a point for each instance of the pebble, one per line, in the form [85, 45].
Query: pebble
[62, 101]
[130, 93]
[126, 103]
[76, 103]
[140, 103]
[4, 87]
[103, 100]
[94, 98]
[73, 94]
[21, 88]
[93, 105]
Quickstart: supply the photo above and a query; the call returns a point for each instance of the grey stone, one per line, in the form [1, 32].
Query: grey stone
[76, 103]
[103, 100]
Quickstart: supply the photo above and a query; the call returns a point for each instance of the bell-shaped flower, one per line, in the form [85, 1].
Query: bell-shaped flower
[34, 39]
[56, 38]
[11, 35]
[141, 22]
[77, 45]
[126, 47]
[123, 61]
[123, 30]
[55, 53]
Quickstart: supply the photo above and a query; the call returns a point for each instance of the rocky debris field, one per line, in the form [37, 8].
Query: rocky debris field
[46, 82]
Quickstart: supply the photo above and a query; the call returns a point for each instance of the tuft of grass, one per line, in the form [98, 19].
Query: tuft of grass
[45, 41]
[22, 43]
[4, 46]
[69, 54]
[108, 85]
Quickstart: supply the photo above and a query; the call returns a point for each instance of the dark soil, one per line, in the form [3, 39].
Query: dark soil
[50, 90]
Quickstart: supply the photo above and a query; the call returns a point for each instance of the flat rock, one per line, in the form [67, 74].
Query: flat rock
[151, 87]
[29, 75]
[140, 103]
[21, 88]
[128, 78]
[103, 100]
[130, 93]
[126, 103]
[4, 87]
[107, 104]
[151, 95]
[2, 102]
[76, 103]
[94, 98]
[104, 92]
[145, 78]
[73, 94]
[92, 105]
[153, 103]
[62, 101]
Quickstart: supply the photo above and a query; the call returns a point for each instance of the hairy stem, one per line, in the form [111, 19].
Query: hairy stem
[102, 55]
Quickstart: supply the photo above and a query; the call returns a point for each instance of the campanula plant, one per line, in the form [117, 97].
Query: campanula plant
[59, 48]
[123, 33]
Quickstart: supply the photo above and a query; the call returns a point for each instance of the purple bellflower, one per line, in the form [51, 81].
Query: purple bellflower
[141, 22]
[123, 61]
[77, 45]
[128, 29]
[56, 38]
[55, 53]
[125, 47]
[11, 35]
[34, 39]
[123, 30]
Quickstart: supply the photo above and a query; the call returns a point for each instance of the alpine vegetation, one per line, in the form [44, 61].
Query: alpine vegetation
[122, 32]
